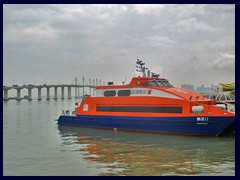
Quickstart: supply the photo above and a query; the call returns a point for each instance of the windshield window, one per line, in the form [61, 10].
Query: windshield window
[154, 83]
[160, 83]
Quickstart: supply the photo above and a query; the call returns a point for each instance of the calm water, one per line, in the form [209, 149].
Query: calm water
[33, 144]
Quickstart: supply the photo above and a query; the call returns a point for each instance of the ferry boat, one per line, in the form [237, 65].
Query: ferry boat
[149, 103]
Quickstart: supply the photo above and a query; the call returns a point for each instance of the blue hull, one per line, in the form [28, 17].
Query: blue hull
[180, 125]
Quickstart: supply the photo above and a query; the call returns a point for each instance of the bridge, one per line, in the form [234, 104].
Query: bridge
[90, 85]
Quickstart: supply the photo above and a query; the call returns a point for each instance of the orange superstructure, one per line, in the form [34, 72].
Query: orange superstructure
[141, 93]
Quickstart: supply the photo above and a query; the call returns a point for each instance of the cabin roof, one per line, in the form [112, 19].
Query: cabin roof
[132, 83]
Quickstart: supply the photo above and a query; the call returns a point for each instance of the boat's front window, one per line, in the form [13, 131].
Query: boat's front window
[154, 83]
[160, 83]
[169, 84]
[146, 84]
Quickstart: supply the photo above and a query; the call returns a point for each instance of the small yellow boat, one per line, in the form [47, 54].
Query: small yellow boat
[227, 87]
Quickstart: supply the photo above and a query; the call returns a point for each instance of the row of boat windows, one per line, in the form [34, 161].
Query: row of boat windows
[140, 109]
[160, 83]
[155, 83]
[120, 93]
[128, 92]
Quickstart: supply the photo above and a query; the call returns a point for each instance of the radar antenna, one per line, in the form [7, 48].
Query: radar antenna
[155, 75]
[146, 72]
[141, 68]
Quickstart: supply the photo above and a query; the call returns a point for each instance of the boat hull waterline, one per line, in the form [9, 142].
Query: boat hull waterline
[180, 125]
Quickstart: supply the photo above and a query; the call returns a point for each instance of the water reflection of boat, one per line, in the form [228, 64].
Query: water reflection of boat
[128, 153]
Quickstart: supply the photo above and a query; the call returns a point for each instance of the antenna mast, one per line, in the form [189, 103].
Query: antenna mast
[142, 68]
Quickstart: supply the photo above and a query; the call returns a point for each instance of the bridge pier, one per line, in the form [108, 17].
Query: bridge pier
[39, 94]
[29, 94]
[69, 92]
[5, 95]
[62, 92]
[19, 94]
[48, 93]
[76, 88]
[55, 93]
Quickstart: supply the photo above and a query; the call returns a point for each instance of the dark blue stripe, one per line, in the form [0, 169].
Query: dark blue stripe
[191, 125]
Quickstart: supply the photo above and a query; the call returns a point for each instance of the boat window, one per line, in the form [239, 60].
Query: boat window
[142, 109]
[164, 83]
[146, 84]
[138, 84]
[85, 107]
[169, 84]
[160, 83]
[124, 92]
[154, 83]
[110, 93]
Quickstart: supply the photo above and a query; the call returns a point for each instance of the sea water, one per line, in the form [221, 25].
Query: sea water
[34, 145]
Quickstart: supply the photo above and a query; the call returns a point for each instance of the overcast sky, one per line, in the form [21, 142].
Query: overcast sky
[191, 44]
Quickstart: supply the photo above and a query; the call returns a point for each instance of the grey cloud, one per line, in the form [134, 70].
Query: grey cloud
[156, 41]
[41, 33]
[192, 24]
[223, 61]
[187, 11]
[103, 41]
